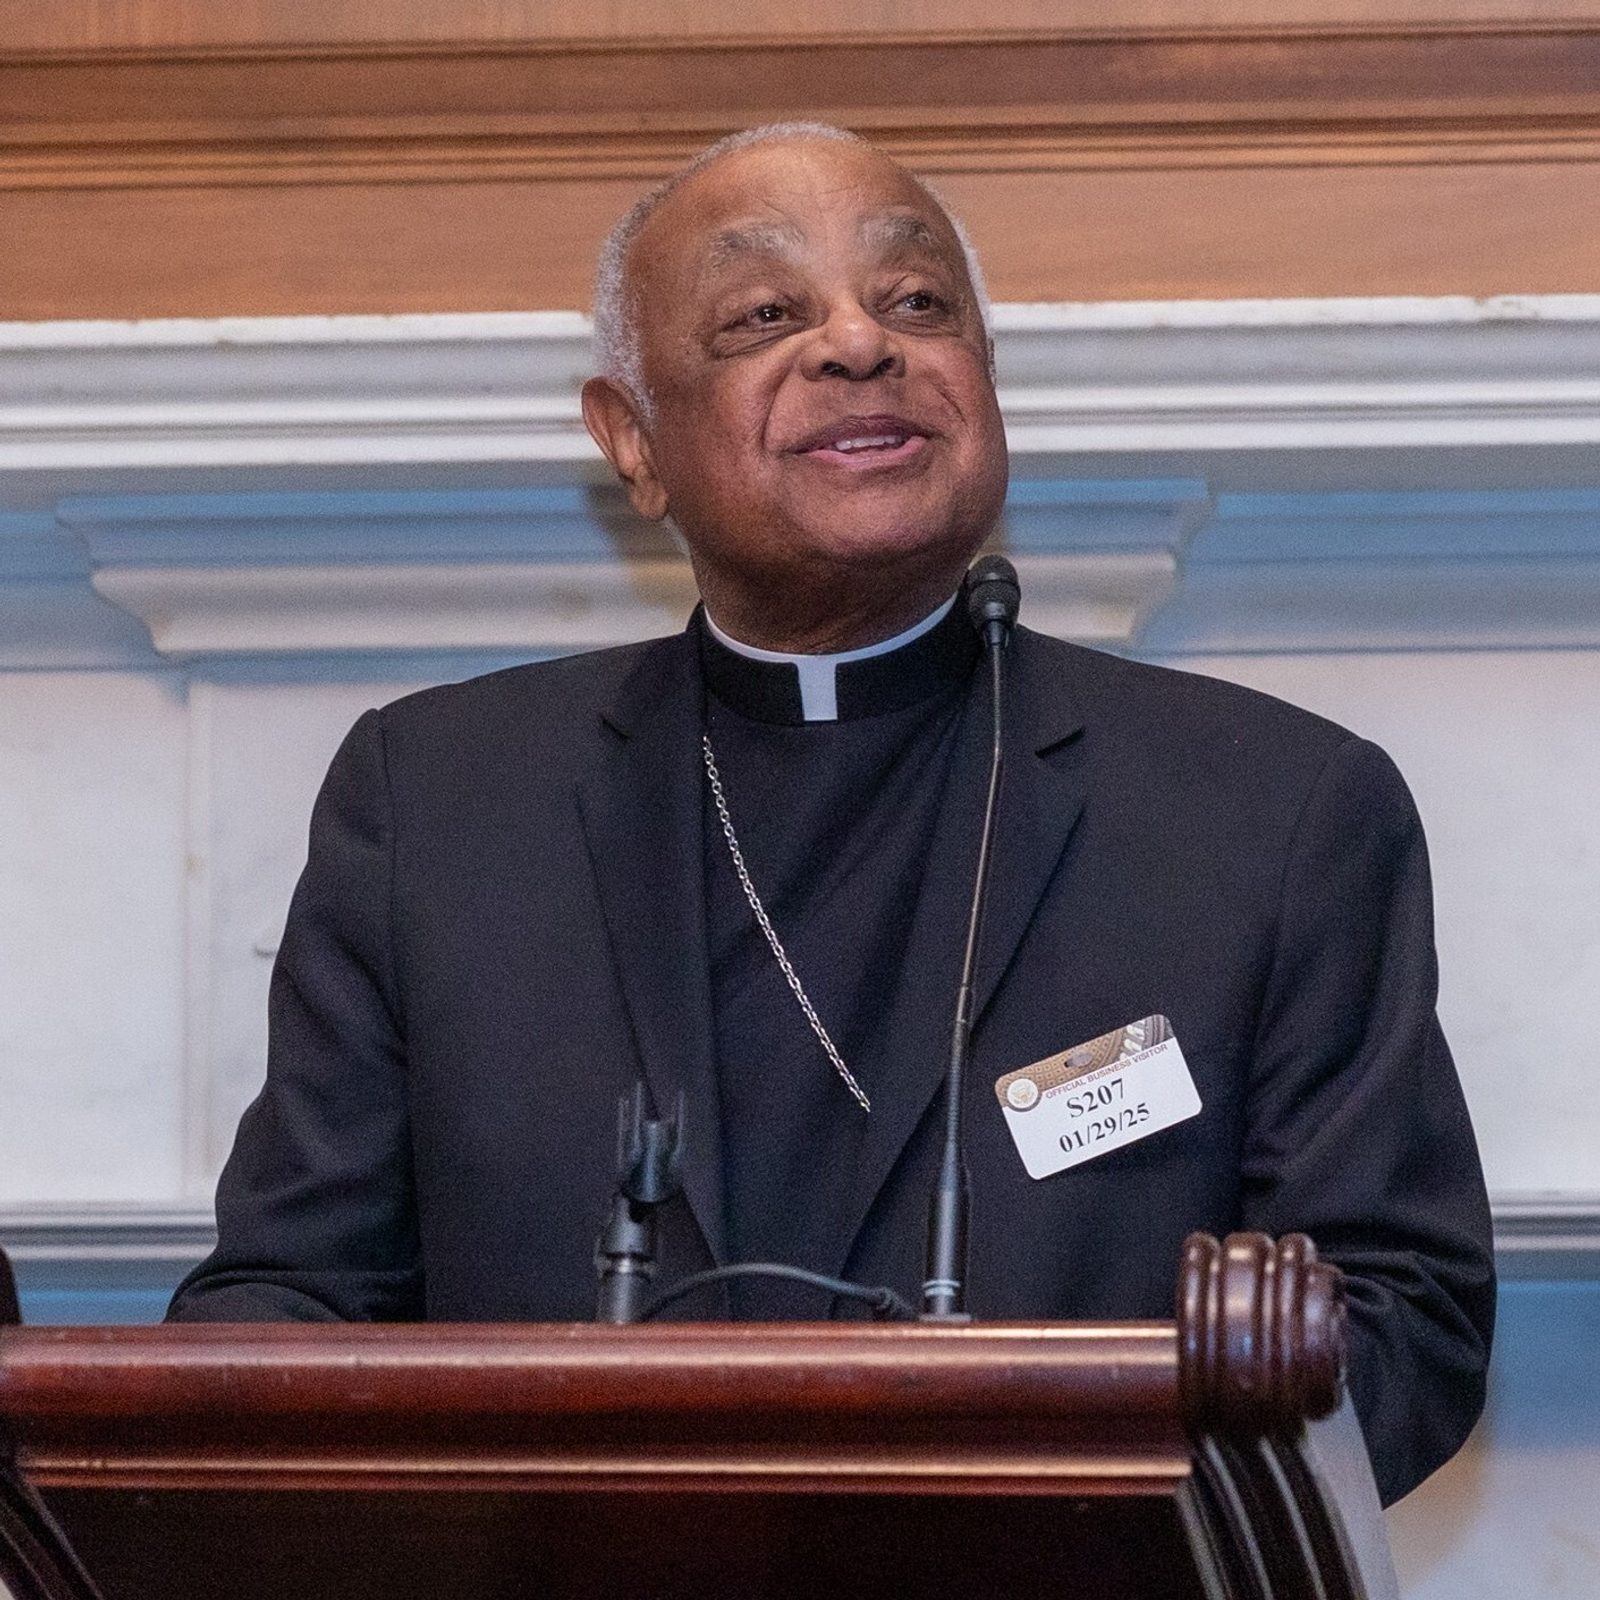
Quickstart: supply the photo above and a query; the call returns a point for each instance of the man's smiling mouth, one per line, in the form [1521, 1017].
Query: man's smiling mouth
[864, 441]
[881, 441]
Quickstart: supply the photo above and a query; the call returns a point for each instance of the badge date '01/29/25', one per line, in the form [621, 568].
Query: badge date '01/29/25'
[1072, 1122]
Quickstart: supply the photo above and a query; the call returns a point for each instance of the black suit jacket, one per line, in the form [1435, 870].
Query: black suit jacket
[500, 928]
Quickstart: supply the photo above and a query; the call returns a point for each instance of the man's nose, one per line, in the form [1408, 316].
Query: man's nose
[852, 343]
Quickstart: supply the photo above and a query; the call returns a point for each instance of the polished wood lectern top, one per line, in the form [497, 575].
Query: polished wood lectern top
[1153, 1459]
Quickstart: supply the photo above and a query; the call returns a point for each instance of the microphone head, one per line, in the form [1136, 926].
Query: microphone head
[993, 594]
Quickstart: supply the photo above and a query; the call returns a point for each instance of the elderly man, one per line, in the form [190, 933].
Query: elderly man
[735, 863]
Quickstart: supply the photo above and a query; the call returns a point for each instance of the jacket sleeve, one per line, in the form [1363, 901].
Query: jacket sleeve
[315, 1211]
[1357, 1129]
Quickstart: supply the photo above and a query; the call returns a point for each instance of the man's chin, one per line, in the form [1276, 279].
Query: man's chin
[882, 522]
[876, 545]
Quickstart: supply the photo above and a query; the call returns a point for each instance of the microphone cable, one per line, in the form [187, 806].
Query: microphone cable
[887, 1306]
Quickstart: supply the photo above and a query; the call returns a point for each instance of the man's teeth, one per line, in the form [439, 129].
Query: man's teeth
[879, 441]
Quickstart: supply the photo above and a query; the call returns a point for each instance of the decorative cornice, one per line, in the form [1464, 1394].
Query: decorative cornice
[1109, 380]
[278, 418]
[494, 606]
[1095, 598]
[537, 569]
[368, 162]
[1206, 378]
[293, 392]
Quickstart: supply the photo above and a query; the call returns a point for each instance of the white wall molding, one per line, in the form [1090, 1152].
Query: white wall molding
[497, 605]
[1122, 379]
[1158, 564]
[1536, 1236]
[109, 1253]
[1318, 573]
[61, 1233]
[424, 483]
[333, 453]
[1547, 1236]
[1223, 376]
[540, 569]
[1098, 598]
[293, 391]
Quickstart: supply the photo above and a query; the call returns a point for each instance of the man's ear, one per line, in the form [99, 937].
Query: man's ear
[611, 415]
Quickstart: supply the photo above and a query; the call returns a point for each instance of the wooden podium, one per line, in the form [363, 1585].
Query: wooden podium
[1150, 1459]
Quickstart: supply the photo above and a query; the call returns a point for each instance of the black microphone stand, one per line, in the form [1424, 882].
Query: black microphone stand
[650, 1158]
[993, 596]
[649, 1173]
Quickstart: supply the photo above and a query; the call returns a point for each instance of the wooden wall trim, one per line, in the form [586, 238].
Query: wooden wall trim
[612, 109]
[147, 24]
[1419, 156]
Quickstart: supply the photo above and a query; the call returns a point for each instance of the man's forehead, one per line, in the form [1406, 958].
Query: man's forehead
[884, 229]
[771, 197]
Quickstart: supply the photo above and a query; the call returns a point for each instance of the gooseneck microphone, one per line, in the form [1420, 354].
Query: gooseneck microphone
[993, 597]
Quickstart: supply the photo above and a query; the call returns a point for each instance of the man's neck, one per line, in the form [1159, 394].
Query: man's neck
[833, 657]
[822, 629]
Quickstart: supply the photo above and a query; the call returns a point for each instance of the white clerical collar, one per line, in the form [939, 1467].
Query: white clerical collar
[819, 693]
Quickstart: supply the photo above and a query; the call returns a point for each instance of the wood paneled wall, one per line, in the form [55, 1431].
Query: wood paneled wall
[189, 24]
[160, 158]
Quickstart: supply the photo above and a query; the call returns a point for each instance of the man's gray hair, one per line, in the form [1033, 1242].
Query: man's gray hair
[617, 351]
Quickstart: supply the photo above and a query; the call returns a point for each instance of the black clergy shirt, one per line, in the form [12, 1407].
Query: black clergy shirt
[835, 820]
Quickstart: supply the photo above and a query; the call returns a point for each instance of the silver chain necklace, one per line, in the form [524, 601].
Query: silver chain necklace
[766, 927]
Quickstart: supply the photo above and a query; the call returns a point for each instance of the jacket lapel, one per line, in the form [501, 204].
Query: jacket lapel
[1040, 799]
[642, 813]
[1041, 796]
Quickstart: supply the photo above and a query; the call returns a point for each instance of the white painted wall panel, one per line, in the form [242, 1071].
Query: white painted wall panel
[1502, 751]
[134, 1052]
[267, 746]
[91, 934]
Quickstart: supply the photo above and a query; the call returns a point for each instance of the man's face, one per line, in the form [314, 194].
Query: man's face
[819, 370]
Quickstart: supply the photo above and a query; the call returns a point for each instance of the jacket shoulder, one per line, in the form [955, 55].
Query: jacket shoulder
[1140, 701]
[547, 697]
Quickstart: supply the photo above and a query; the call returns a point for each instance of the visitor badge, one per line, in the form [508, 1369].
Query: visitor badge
[1096, 1097]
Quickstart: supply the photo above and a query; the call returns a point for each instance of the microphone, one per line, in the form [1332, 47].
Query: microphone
[649, 1174]
[993, 598]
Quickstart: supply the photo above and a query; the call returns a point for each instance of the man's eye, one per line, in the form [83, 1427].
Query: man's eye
[767, 316]
[919, 300]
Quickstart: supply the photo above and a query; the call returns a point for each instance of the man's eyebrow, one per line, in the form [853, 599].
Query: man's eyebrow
[899, 228]
[757, 238]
